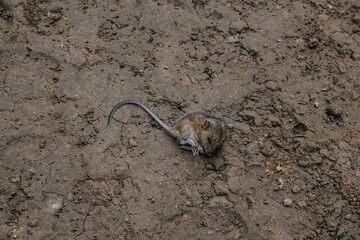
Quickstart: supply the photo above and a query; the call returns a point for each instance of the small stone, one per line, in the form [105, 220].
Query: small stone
[268, 152]
[278, 143]
[234, 184]
[251, 200]
[218, 163]
[221, 188]
[316, 104]
[332, 223]
[187, 81]
[348, 216]
[15, 179]
[274, 121]
[235, 138]
[237, 27]
[281, 184]
[300, 128]
[302, 204]
[313, 43]
[336, 213]
[133, 143]
[233, 39]
[278, 168]
[310, 195]
[311, 147]
[300, 58]
[356, 20]
[287, 202]
[250, 116]
[355, 96]
[34, 223]
[341, 233]
[334, 110]
[356, 55]
[251, 148]
[296, 189]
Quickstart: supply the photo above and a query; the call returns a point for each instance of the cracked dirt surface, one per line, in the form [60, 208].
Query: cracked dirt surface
[284, 74]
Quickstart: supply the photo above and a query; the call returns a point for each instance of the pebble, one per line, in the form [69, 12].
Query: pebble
[302, 204]
[354, 95]
[300, 127]
[287, 202]
[296, 189]
[218, 163]
[310, 195]
[336, 213]
[235, 138]
[250, 116]
[332, 223]
[250, 200]
[34, 223]
[356, 55]
[237, 27]
[233, 39]
[251, 148]
[133, 143]
[334, 110]
[274, 121]
[311, 147]
[313, 43]
[268, 152]
[221, 188]
[341, 233]
[281, 183]
[234, 184]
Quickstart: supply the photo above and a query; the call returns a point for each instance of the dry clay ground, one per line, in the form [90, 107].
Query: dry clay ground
[285, 75]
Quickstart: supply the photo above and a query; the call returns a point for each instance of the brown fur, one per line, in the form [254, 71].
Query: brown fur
[206, 131]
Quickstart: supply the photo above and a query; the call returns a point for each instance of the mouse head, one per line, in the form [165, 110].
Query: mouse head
[213, 135]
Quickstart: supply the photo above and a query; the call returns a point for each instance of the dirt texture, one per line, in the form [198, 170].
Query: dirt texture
[284, 75]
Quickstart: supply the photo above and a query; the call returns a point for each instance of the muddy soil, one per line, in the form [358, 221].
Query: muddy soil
[283, 74]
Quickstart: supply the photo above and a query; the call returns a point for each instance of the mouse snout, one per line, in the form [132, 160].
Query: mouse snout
[201, 149]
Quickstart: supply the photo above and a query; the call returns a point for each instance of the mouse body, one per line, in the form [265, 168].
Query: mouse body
[197, 132]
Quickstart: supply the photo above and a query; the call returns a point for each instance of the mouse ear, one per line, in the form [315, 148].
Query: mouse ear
[207, 124]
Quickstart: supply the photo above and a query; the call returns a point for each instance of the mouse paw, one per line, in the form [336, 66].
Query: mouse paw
[194, 149]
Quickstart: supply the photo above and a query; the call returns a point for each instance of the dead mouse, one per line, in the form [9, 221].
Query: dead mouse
[197, 132]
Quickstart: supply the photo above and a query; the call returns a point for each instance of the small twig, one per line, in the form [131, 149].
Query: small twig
[354, 161]
[107, 197]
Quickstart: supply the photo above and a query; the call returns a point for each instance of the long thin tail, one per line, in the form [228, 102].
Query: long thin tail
[140, 105]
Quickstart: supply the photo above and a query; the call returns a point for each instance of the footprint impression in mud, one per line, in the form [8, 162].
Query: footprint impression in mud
[197, 132]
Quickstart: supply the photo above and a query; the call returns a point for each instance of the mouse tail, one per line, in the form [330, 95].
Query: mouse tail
[140, 105]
